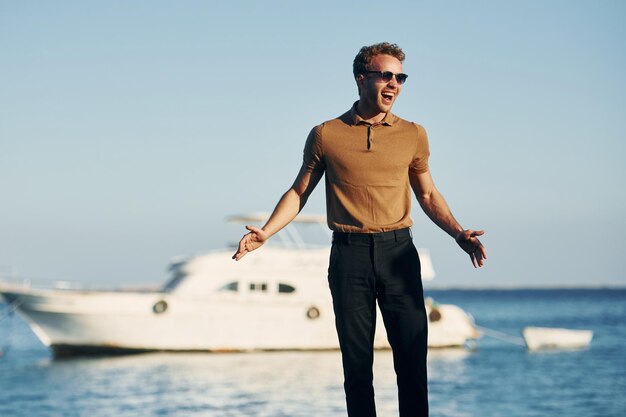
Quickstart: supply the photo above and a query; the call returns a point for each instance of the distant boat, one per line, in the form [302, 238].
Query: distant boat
[276, 299]
[537, 338]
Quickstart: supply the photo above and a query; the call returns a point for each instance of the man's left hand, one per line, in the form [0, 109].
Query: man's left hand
[468, 241]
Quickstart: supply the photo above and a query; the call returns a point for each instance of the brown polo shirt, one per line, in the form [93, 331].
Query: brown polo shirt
[367, 170]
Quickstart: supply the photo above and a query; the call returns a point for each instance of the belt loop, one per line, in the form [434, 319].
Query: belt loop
[411, 232]
[395, 235]
[349, 235]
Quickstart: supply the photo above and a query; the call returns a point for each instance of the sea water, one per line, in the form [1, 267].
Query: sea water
[496, 378]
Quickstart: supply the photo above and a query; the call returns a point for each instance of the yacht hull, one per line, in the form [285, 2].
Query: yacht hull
[277, 299]
[79, 323]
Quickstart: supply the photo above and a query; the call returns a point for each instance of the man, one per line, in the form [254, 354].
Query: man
[372, 159]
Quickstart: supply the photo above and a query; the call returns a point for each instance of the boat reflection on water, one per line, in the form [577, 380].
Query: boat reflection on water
[257, 383]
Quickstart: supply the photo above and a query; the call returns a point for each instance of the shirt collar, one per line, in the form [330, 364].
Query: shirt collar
[354, 119]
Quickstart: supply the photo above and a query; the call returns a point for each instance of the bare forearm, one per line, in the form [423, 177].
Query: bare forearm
[285, 211]
[436, 208]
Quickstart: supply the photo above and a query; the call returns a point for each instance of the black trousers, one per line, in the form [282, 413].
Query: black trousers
[384, 267]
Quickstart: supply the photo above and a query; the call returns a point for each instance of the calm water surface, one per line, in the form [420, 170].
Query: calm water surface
[496, 379]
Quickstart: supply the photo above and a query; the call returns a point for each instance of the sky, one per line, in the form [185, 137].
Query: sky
[130, 131]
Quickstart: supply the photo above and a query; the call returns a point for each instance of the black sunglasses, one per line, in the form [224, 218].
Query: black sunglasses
[386, 76]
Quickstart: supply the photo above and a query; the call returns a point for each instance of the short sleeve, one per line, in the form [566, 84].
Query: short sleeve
[313, 159]
[419, 165]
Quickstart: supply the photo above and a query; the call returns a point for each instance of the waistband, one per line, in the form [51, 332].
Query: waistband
[396, 235]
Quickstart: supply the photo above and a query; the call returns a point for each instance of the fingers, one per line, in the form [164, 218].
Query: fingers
[250, 241]
[470, 234]
[242, 248]
[254, 229]
[473, 258]
[241, 251]
[479, 255]
[239, 254]
[469, 242]
[257, 234]
[478, 260]
[474, 247]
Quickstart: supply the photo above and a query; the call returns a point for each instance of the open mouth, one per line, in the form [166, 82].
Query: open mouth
[387, 97]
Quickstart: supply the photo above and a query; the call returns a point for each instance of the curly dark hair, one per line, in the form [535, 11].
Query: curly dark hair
[365, 55]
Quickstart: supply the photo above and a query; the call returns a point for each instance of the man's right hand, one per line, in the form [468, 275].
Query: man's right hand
[250, 241]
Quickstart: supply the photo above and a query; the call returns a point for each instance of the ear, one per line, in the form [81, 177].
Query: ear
[360, 79]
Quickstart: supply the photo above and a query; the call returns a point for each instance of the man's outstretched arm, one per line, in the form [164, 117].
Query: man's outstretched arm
[286, 210]
[436, 208]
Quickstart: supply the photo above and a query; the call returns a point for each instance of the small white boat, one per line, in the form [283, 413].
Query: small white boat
[537, 338]
[276, 299]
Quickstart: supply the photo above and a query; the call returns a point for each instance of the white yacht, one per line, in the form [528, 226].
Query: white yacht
[277, 298]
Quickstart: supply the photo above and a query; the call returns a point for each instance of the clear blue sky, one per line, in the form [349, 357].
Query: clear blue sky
[129, 131]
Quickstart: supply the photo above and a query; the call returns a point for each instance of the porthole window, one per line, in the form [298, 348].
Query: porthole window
[285, 288]
[435, 315]
[313, 313]
[160, 307]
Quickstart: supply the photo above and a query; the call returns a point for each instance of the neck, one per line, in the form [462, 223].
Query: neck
[368, 114]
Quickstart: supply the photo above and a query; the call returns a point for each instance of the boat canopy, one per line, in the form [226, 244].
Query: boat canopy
[263, 217]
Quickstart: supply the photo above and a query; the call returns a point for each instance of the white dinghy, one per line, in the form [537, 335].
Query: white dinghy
[537, 338]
